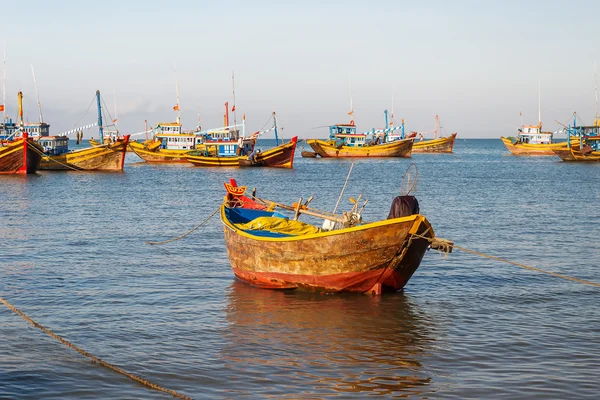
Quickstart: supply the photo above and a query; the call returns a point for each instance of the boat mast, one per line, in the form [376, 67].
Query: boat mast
[351, 113]
[596, 120]
[20, 97]
[539, 109]
[233, 108]
[275, 126]
[37, 96]
[177, 94]
[387, 125]
[4, 88]
[116, 119]
[226, 116]
[100, 129]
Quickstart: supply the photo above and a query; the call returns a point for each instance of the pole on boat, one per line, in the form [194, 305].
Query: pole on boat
[4, 88]
[387, 125]
[20, 97]
[146, 128]
[343, 189]
[437, 126]
[402, 130]
[177, 94]
[226, 116]
[116, 118]
[100, 129]
[233, 108]
[275, 126]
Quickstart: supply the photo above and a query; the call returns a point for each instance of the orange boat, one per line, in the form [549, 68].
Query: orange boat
[19, 155]
[269, 250]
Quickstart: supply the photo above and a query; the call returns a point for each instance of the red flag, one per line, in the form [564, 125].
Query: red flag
[233, 108]
[351, 112]
[176, 107]
[244, 117]
[1, 107]
[114, 120]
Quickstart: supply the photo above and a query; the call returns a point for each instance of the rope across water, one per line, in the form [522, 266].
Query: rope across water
[95, 359]
[517, 264]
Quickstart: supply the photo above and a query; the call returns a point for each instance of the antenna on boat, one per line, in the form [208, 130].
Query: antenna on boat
[596, 121]
[37, 95]
[437, 126]
[351, 113]
[177, 94]
[539, 108]
[233, 108]
[4, 87]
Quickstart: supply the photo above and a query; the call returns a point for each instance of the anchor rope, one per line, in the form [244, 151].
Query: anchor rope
[478, 253]
[95, 359]
[188, 232]
[56, 161]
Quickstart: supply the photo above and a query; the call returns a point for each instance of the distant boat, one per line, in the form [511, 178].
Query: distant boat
[102, 157]
[18, 155]
[270, 250]
[345, 142]
[583, 143]
[422, 145]
[531, 141]
[227, 148]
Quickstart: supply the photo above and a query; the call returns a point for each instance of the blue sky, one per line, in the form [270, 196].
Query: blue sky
[474, 63]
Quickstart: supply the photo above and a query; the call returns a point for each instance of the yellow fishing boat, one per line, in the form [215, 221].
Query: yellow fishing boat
[441, 145]
[524, 145]
[56, 155]
[332, 148]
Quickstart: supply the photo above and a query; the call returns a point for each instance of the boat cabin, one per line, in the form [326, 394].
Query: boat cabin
[171, 137]
[37, 129]
[7, 129]
[341, 129]
[533, 134]
[345, 134]
[54, 145]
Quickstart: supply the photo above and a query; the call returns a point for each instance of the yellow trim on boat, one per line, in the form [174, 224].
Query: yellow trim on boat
[417, 219]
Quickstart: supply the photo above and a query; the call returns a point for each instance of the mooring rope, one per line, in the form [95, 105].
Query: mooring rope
[95, 359]
[187, 233]
[56, 161]
[478, 253]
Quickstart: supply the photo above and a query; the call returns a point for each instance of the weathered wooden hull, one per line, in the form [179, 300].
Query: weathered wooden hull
[309, 154]
[370, 258]
[20, 156]
[281, 156]
[441, 145]
[575, 154]
[527, 149]
[399, 148]
[158, 155]
[98, 158]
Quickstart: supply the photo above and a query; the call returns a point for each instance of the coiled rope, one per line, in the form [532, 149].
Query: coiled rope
[570, 278]
[95, 359]
[187, 233]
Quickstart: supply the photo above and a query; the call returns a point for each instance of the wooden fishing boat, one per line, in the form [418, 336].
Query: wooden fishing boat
[422, 145]
[229, 149]
[104, 157]
[331, 148]
[309, 154]
[269, 250]
[18, 155]
[440, 145]
[583, 144]
[532, 144]
[170, 146]
[344, 141]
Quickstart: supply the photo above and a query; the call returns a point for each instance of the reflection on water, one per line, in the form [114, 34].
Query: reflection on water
[340, 343]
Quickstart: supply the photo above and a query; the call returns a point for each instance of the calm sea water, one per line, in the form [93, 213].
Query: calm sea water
[73, 257]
